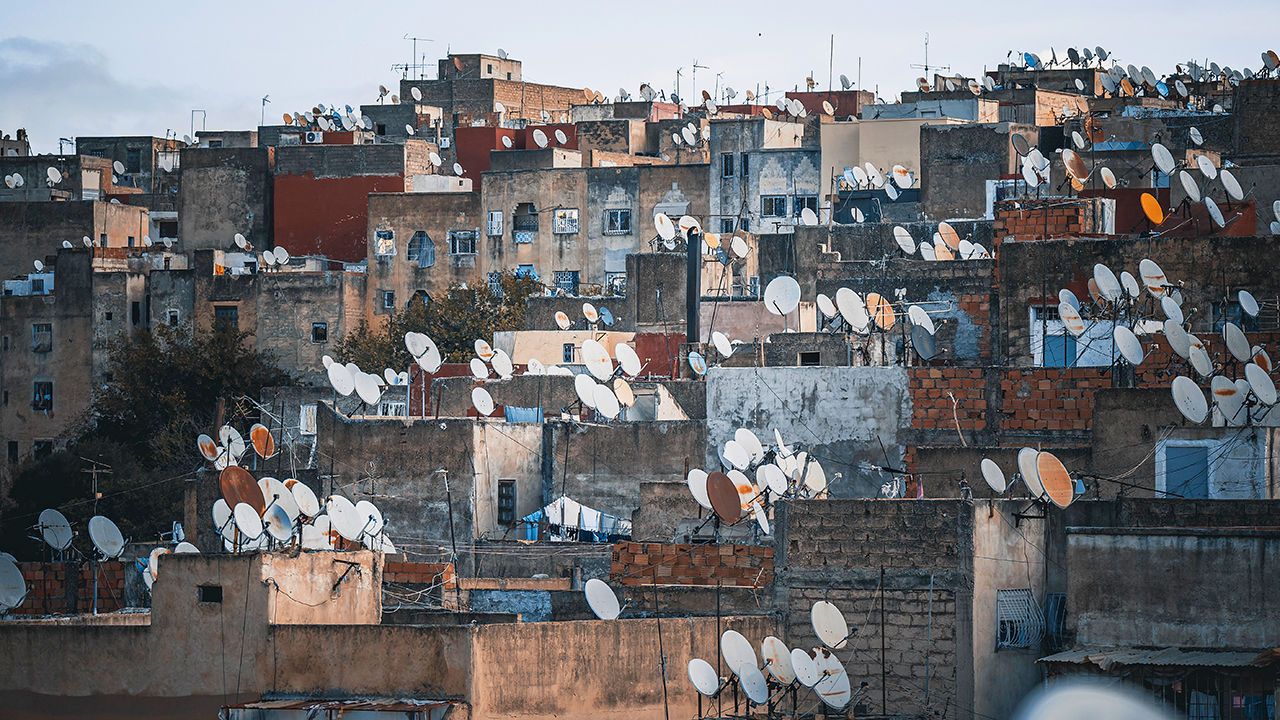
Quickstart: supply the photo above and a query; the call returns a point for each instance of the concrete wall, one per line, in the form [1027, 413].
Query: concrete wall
[957, 160]
[840, 415]
[35, 231]
[224, 192]
[1120, 590]
[405, 214]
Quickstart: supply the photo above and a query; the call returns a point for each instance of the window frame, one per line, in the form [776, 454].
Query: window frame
[1162, 464]
[565, 221]
[457, 237]
[388, 298]
[421, 249]
[384, 243]
[506, 515]
[771, 201]
[493, 223]
[800, 202]
[221, 313]
[1009, 603]
[617, 228]
[323, 327]
[38, 398]
[727, 165]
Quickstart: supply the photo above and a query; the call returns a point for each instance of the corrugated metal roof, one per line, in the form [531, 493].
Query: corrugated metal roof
[1107, 657]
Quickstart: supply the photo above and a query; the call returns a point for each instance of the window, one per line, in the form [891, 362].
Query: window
[131, 241]
[380, 129]
[462, 242]
[41, 337]
[42, 396]
[209, 593]
[565, 222]
[102, 239]
[388, 299]
[319, 332]
[41, 449]
[1182, 468]
[384, 243]
[215, 143]
[493, 226]
[726, 165]
[13, 451]
[37, 286]
[726, 225]
[307, 420]
[615, 283]
[773, 206]
[1053, 346]
[494, 279]
[1019, 622]
[524, 223]
[6, 342]
[1059, 350]
[108, 315]
[133, 160]
[802, 202]
[393, 408]
[506, 502]
[422, 249]
[489, 69]
[174, 317]
[567, 280]
[809, 359]
[526, 270]
[567, 353]
[135, 312]
[744, 164]
[226, 317]
[617, 222]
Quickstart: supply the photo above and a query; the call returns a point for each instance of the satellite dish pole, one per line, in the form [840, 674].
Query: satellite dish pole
[693, 284]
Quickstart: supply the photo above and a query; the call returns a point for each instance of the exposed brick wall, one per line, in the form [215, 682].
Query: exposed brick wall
[47, 587]
[420, 573]
[931, 405]
[636, 564]
[1050, 398]
[1054, 218]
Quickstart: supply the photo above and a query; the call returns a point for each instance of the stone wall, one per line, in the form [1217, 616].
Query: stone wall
[67, 588]
[638, 564]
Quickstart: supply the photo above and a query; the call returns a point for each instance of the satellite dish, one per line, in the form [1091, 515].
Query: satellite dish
[826, 306]
[1206, 167]
[623, 392]
[665, 228]
[1151, 208]
[881, 311]
[703, 677]
[278, 494]
[479, 370]
[13, 587]
[1153, 277]
[416, 93]
[585, 387]
[1261, 383]
[1030, 471]
[852, 309]
[502, 364]
[697, 481]
[66, 245]
[106, 536]
[601, 598]
[1128, 345]
[540, 138]
[806, 669]
[482, 401]
[1189, 399]
[829, 625]
[590, 313]
[238, 486]
[506, 142]
[118, 167]
[39, 265]
[1248, 303]
[724, 498]
[1189, 185]
[736, 455]
[753, 684]
[737, 651]
[280, 254]
[562, 320]
[1199, 357]
[278, 524]
[1236, 342]
[1055, 479]
[808, 217]
[344, 518]
[55, 529]
[1163, 158]
[186, 548]
[1172, 310]
[261, 439]
[408, 130]
[782, 295]
[561, 138]
[597, 359]
[368, 388]
[483, 349]
[994, 476]
[906, 243]
[628, 359]
[606, 403]
[721, 343]
[1231, 185]
[306, 500]
[697, 363]
[434, 157]
[54, 175]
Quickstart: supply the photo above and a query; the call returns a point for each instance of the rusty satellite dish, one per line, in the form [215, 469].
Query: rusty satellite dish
[238, 486]
[1055, 479]
[725, 501]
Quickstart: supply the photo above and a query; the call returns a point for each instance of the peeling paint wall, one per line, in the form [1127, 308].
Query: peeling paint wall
[841, 415]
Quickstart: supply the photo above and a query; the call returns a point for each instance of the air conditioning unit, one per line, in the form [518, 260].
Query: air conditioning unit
[315, 137]
[444, 143]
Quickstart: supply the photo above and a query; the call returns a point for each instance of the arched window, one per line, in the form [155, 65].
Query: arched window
[422, 249]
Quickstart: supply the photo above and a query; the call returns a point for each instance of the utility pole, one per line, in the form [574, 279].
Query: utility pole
[695, 76]
[926, 66]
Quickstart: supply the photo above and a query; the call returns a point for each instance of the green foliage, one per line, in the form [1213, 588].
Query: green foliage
[165, 390]
[454, 319]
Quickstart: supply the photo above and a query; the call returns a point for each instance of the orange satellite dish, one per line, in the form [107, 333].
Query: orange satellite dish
[238, 486]
[1151, 207]
[1055, 478]
[881, 311]
[263, 443]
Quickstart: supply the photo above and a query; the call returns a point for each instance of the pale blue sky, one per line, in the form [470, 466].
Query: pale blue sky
[79, 67]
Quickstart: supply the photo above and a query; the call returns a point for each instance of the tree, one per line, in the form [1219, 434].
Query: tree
[165, 389]
[454, 320]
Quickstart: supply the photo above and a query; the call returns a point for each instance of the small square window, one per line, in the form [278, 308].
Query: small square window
[388, 300]
[173, 317]
[494, 225]
[462, 242]
[130, 241]
[617, 222]
[102, 239]
[384, 243]
[565, 221]
[802, 202]
[209, 593]
[319, 332]
[726, 225]
[13, 451]
[108, 316]
[809, 359]
[1019, 621]
[226, 317]
[567, 353]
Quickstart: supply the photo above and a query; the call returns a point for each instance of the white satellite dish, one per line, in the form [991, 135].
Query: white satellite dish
[628, 359]
[721, 343]
[106, 536]
[601, 599]
[829, 624]
[482, 401]
[1189, 399]
[697, 481]
[994, 476]
[1030, 471]
[703, 677]
[539, 138]
[782, 295]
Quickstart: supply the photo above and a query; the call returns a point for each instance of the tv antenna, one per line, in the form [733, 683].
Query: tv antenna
[696, 67]
[926, 66]
[413, 63]
[262, 119]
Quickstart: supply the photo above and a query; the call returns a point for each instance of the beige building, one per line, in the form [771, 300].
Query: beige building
[883, 143]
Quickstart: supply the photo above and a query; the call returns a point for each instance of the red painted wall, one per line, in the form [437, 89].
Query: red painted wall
[659, 353]
[570, 131]
[472, 145]
[327, 216]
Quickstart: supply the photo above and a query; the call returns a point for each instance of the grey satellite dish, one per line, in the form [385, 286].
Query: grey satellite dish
[782, 295]
[106, 537]
[13, 587]
[55, 529]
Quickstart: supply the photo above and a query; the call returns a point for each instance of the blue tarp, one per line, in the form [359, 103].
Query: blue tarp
[522, 414]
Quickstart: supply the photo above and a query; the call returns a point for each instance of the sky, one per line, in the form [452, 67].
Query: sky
[141, 67]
